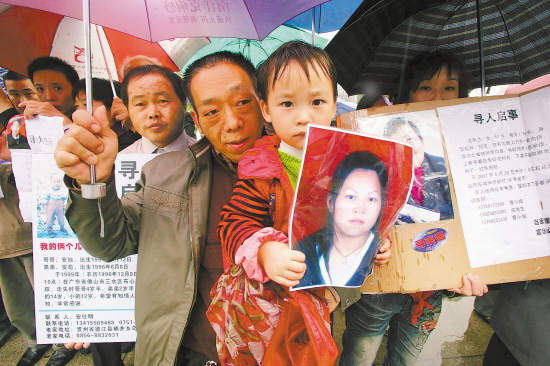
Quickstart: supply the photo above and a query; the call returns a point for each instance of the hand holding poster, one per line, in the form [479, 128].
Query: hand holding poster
[350, 189]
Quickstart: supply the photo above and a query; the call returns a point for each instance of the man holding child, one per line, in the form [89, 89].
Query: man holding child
[172, 217]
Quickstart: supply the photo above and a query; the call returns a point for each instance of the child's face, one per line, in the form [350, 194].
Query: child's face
[293, 102]
[358, 203]
[56, 182]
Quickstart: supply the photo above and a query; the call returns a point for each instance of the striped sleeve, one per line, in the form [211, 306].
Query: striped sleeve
[241, 217]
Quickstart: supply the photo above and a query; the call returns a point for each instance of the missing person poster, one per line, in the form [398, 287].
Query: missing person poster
[350, 190]
[78, 297]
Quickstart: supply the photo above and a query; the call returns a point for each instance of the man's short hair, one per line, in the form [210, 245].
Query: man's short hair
[306, 55]
[13, 76]
[101, 90]
[136, 73]
[215, 59]
[53, 64]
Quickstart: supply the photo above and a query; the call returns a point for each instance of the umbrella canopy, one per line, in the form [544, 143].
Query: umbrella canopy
[30, 33]
[257, 51]
[326, 17]
[381, 37]
[533, 84]
[157, 20]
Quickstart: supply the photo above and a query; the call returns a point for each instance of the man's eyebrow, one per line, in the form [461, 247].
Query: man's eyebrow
[233, 89]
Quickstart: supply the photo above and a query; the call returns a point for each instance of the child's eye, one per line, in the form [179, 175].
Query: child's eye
[424, 88]
[40, 89]
[450, 88]
[287, 104]
[318, 102]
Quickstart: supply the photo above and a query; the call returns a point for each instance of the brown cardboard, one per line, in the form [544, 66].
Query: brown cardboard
[409, 271]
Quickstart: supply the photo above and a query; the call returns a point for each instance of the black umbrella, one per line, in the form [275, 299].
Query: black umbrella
[381, 36]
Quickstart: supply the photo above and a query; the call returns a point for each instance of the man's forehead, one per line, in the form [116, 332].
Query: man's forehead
[51, 76]
[213, 83]
[152, 83]
[19, 84]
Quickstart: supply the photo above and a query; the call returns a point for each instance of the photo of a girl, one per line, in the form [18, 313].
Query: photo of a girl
[342, 252]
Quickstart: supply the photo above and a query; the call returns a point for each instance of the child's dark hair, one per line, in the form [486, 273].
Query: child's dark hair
[101, 90]
[53, 64]
[356, 160]
[301, 52]
[394, 124]
[425, 66]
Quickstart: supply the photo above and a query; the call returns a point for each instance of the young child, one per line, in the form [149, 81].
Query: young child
[296, 86]
[55, 204]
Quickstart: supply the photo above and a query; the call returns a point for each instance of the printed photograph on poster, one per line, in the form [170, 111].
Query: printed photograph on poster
[430, 198]
[350, 190]
[51, 194]
[16, 134]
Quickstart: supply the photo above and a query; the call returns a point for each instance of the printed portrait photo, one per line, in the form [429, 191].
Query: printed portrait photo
[350, 189]
[430, 199]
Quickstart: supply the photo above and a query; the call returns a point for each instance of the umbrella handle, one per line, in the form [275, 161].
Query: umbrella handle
[93, 190]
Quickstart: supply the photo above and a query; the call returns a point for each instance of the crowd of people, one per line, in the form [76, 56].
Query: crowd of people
[209, 218]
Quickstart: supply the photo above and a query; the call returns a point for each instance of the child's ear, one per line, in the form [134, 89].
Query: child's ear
[196, 120]
[265, 111]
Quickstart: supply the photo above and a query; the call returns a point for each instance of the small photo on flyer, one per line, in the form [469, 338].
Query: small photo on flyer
[430, 198]
[350, 190]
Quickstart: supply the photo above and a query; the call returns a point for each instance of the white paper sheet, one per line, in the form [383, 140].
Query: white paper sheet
[498, 153]
[79, 297]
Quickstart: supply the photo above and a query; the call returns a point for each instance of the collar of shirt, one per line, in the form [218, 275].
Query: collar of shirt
[145, 146]
[352, 269]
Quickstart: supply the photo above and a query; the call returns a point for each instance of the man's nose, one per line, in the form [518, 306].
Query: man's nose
[49, 94]
[153, 111]
[232, 120]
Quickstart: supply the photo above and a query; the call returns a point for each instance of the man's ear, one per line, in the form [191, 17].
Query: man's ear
[265, 111]
[196, 120]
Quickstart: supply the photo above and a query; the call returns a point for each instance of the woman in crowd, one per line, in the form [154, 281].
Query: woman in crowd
[411, 317]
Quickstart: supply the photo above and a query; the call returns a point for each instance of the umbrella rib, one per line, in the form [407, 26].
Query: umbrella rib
[381, 43]
[148, 21]
[510, 41]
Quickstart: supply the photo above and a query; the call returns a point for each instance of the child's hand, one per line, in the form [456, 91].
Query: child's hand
[471, 285]
[282, 264]
[384, 254]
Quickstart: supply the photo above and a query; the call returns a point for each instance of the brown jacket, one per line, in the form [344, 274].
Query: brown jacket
[164, 221]
[15, 235]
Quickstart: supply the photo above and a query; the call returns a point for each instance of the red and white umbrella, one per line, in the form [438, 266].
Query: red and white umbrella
[29, 33]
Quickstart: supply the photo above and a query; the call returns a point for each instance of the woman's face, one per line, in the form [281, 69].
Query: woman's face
[406, 134]
[441, 86]
[358, 204]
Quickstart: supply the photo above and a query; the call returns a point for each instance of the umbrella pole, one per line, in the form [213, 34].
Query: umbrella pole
[480, 42]
[313, 27]
[93, 190]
